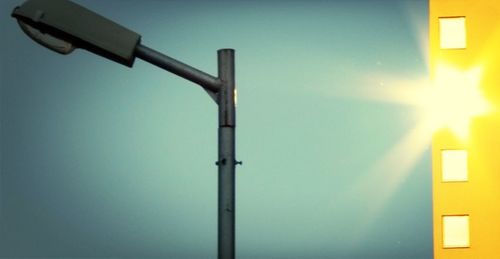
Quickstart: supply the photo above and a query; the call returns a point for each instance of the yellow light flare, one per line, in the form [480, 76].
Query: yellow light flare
[453, 99]
[450, 100]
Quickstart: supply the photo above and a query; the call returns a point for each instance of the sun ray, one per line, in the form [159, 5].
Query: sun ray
[389, 172]
[450, 101]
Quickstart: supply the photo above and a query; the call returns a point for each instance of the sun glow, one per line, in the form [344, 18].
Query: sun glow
[449, 101]
[452, 100]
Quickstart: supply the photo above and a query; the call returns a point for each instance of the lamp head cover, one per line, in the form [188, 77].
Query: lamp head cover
[62, 26]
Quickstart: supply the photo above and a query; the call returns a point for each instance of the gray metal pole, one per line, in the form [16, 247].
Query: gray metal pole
[223, 88]
[227, 161]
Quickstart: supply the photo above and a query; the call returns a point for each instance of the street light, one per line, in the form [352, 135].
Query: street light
[62, 26]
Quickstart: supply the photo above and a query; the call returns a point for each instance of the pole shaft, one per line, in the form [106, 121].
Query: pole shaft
[226, 163]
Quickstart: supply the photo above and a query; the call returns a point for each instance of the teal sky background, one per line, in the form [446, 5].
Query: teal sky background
[100, 160]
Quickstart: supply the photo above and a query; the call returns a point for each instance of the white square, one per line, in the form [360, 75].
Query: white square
[456, 231]
[454, 165]
[452, 33]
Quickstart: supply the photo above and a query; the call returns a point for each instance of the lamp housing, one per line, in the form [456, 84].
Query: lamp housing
[62, 25]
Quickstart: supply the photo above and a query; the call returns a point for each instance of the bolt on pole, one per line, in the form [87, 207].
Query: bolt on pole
[227, 161]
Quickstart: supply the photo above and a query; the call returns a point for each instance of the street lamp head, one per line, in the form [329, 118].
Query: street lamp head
[62, 26]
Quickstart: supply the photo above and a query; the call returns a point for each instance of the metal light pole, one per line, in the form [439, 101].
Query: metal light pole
[227, 161]
[224, 96]
[63, 25]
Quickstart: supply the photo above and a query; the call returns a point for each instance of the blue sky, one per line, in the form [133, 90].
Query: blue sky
[101, 160]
